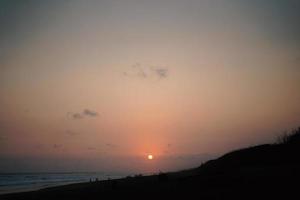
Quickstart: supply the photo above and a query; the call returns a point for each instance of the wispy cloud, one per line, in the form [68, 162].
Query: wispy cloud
[91, 148]
[110, 145]
[139, 70]
[146, 71]
[85, 113]
[90, 113]
[77, 116]
[161, 72]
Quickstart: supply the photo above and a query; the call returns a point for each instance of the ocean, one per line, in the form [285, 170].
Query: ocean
[19, 182]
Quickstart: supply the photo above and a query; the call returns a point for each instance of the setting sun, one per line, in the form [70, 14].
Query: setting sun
[150, 157]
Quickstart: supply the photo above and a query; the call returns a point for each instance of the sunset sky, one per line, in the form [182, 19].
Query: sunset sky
[99, 85]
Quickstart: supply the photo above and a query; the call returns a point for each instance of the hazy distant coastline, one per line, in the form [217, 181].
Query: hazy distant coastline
[21, 182]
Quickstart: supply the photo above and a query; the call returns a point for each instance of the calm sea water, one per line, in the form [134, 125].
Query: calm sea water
[17, 182]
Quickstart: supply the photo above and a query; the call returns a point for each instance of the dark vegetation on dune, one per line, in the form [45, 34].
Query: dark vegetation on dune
[269, 171]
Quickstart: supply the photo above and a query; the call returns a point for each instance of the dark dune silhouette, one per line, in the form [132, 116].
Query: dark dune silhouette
[269, 171]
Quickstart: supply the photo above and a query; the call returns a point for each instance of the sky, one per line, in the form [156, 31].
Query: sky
[99, 85]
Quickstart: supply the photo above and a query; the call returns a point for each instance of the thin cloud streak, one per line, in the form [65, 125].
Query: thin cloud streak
[145, 71]
[90, 113]
[84, 113]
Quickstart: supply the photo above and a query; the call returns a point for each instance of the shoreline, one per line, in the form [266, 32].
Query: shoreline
[266, 171]
[27, 182]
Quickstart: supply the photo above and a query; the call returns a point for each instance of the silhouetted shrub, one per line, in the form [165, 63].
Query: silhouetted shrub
[138, 175]
[290, 138]
[283, 138]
